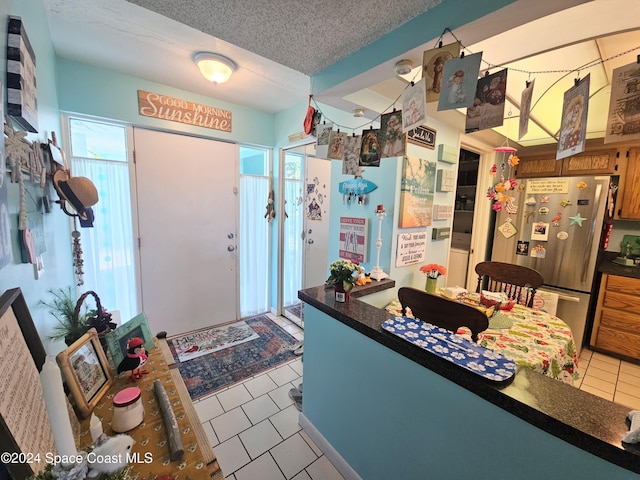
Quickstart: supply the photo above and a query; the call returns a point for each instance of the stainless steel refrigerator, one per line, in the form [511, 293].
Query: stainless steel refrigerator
[556, 230]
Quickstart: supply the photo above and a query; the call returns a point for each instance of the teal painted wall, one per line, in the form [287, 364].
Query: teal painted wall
[95, 91]
[57, 258]
[389, 417]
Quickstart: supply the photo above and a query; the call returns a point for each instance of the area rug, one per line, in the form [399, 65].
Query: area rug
[210, 373]
[202, 342]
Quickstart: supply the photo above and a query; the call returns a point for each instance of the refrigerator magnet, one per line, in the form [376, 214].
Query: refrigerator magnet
[540, 231]
[565, 203]
[562, 235]
[543, 210]
[538, 251]
[544, 199]
[577, 220]
[555, 221]
[522, 248]
[531, 201]
[508, 229]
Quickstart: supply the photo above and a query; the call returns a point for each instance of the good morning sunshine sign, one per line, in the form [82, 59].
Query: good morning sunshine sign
[177, 110]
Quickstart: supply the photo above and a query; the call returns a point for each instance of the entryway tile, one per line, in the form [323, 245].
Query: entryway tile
[229, 424]
[260, 408]
[234, 397]
[231, 455]
[323, 469]
[263, 468]
[286, 421]
[283, 375]
[211, 435]
[293, 455]
[208, 408]
[281, 395]
[303, 475]
[260, 385]
[260, 438]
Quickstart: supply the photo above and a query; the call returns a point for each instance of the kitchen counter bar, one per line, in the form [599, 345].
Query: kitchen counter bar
[586, 421]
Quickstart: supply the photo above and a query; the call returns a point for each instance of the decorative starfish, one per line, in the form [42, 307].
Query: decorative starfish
[577, 220]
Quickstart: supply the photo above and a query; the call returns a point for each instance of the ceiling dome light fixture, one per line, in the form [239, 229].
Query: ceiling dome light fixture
[403, 67]
[214, 67]
[358, 112]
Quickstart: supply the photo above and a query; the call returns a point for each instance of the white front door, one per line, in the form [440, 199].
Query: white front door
[187, 224]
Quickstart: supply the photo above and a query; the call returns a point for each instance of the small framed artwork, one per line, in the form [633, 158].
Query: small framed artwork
[117, 339]
[423, 136]
[22, 103]
[85, 369]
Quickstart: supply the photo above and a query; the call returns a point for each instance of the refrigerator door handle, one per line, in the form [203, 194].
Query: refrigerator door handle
[593, 222]
[567, 298]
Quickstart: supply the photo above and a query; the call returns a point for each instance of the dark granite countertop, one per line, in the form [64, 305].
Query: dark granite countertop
[607, 266]
[577, 417]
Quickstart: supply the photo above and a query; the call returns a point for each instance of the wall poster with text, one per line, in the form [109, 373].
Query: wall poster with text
[354, 239]
[416, 192]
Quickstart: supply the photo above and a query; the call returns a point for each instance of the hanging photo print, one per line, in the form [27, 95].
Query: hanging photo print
[391, 137]
[459, 81]
[433, 68]
[370, 150]
[487, 110]
[525, 108]
[352, 145]
[336, 145]
[574, 119]
[624, 106]
[414, 107]
[322, 140]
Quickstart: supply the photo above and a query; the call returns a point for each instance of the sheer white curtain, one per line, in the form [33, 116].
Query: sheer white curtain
[293, 225]
[108, 247]
[254, 246]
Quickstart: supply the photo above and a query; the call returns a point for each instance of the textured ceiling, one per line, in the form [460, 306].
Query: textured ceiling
[305, 35]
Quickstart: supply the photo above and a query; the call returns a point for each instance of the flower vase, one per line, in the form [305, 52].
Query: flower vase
[431, 285]
[341, 294]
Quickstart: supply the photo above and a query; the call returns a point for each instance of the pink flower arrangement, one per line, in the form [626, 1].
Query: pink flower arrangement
[433, 270]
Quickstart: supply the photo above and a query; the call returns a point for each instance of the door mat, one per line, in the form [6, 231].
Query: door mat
[202, 342]
[210, 373]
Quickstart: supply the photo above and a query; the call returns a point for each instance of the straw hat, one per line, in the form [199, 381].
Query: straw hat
[80, 192]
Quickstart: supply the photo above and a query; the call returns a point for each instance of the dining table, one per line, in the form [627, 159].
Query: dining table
[530, 337]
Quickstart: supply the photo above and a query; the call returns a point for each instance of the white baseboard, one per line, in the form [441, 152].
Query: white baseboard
[332, 455]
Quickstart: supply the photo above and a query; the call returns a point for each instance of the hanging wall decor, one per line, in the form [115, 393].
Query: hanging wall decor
[390, 135]
[370, 149]
[622, 123]
[460, 77]
[433, 67]
[414, 106]
[416, 192]
[323, 131]
[525, 108]
[487, 110]
[574, 119]
[352, 147]
[22, 103]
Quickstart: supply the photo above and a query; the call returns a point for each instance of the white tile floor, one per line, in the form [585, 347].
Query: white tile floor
[610, 378]
[253, 427]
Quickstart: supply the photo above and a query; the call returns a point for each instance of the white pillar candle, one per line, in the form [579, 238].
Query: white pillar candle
[56, 402]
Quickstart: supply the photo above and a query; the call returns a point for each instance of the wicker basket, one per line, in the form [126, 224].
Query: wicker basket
[101, 321]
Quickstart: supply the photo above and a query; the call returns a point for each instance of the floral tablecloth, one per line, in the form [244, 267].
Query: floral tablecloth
[531, 338]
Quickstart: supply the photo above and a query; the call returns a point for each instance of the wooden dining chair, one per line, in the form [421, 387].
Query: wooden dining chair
[518, 282]
[444, 313]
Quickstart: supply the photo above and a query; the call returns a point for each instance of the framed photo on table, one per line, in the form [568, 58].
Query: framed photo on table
[117, 339]
[85, 368]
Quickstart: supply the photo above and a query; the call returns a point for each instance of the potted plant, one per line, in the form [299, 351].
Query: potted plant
[74, 317]
[341, 277]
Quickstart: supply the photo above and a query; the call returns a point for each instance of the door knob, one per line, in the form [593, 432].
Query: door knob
[310, 241]
[231, 248]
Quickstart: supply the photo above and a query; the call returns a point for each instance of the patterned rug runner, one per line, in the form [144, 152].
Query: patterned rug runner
[210, 373]
[202, 342]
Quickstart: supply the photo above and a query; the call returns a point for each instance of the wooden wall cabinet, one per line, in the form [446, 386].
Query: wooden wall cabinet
[629, 192]
[616, 327]
[597, 162]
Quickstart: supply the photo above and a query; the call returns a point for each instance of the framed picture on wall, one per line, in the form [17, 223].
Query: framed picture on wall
[22, 99]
